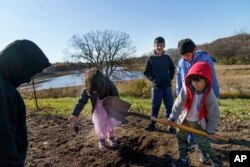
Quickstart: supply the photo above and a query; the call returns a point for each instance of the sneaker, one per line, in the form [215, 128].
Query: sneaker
[191, 138]
[112, 142]
[216, 163]
[204, 159]
[180, 163]
[191, 145]
[150, 127]
[101, 144]
[171, 130]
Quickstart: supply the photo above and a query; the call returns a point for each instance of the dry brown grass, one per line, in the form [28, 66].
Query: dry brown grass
[234, 79]
[53, 92]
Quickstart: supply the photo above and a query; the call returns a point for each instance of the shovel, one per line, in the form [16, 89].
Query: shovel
[118, 109]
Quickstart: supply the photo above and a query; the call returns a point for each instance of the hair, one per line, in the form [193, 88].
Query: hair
[196, 78]
[95, 82]
[186, 46]
[159, 40]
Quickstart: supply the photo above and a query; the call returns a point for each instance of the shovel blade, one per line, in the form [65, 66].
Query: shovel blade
[116, 108]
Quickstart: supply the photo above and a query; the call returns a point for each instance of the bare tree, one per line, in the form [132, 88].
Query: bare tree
[106, 50]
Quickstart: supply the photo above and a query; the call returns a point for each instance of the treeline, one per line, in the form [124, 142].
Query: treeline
[230, 50]
[67, 66]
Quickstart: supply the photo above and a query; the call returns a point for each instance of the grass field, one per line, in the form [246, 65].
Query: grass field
[234, 79]
[237, 108]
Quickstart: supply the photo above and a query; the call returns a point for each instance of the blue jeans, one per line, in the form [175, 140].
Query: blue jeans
[159, 94]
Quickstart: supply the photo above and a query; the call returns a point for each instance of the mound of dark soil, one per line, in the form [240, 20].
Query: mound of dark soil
[54, 143]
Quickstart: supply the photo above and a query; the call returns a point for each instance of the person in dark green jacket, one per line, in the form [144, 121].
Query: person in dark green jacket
[19, 62]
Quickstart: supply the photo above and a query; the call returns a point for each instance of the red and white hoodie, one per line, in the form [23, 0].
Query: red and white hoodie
[208, 108]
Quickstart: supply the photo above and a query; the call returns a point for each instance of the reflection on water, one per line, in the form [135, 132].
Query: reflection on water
[74, 80]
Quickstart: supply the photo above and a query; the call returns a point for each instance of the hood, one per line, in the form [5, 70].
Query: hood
[201, 69]
[20, 61]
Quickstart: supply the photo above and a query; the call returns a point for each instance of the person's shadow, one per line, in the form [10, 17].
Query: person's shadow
[241, 142]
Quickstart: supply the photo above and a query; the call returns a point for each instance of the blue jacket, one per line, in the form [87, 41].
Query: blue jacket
[183, 67]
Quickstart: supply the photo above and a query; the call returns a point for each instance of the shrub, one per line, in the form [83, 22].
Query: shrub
[237, 94]
[135, 88]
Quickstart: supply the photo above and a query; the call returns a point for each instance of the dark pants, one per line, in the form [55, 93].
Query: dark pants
[158, 95]
[202, 141]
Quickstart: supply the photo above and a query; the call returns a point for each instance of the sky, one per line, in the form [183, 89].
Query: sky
[52, 23]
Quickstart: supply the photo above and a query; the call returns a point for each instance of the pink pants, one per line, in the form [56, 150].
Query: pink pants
[104, 124]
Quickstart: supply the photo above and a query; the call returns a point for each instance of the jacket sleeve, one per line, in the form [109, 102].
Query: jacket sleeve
[171, 69]
[10, 153]
[178, 80]
[215, 84]
[82, 101]
[148, 70]
[213, 113]
[179, 104]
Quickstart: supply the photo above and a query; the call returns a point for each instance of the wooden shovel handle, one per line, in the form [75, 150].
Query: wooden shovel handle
[189, 129]
[183, 127]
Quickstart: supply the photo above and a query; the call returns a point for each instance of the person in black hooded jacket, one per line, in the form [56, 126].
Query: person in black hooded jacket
[19, 62]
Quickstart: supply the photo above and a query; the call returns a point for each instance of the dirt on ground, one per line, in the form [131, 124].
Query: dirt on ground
[54, 143]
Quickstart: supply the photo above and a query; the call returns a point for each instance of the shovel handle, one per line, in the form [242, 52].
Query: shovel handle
[183, 127]
[189, 129]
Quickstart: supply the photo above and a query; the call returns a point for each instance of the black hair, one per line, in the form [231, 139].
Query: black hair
[95, 82]
[159, 40]
[196, 78]
[186, 46]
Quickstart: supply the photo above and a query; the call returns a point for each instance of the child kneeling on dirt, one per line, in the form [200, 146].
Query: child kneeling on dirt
[97, 87]
[197, 107]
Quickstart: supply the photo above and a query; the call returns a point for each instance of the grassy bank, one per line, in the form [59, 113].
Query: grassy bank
[236, 108]
[234, 81]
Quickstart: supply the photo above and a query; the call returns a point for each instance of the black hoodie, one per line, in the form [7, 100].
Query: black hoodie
[19, 61]
[160, 70]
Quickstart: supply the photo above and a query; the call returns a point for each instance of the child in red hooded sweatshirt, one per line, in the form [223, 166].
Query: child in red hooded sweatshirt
[197, 106]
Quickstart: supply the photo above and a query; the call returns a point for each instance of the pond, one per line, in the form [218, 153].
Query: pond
[75, 79]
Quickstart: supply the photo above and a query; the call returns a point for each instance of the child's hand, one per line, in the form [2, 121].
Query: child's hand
[72, 119]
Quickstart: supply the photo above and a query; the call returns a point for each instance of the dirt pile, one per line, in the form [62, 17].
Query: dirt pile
[54, 143]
